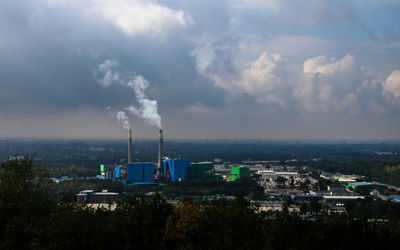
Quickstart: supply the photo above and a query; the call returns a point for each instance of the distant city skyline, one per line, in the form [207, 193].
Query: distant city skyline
[233, 69]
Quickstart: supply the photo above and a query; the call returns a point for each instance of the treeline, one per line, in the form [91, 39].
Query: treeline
[32, 219]
[373, 209]
[72, 171]
[244, 186]
[380, 170]
[194, 188]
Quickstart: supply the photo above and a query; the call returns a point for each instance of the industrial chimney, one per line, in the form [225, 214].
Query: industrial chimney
[130, 146]
[160, 154]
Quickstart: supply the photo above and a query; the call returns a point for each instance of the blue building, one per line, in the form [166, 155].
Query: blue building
[117, 173]
[140, 172]
[176, 170]
[305, 197]
[395, 197]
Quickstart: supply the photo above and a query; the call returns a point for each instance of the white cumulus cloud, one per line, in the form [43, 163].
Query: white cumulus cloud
[392, 85]
[263, 77]
[328, 84]
[132, 17]
[322, 65]
[320, 84]
[140, 17]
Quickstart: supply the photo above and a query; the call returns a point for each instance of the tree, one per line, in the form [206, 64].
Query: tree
[291, 182]
[322, 184]
[24, 202]
[304, 185]
[287, 200]
[303, 208]
[315, 174]
[315, 205]
[280, 180]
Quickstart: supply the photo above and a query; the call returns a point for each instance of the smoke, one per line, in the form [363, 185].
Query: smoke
[147, 109]
[123, 119]
[121, 116]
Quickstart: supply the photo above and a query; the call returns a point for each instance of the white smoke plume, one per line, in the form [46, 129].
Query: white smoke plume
[123, 119]
[147, 109]
[121, 116]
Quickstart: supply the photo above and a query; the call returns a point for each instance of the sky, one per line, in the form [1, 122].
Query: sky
[200, 69]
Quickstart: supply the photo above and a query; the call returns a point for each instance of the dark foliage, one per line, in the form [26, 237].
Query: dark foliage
[245, 186]
[381, 170]
[31, 219]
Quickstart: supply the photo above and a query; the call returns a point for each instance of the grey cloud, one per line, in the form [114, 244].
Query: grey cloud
[384, 34]
[289, 15]
[48, 54]
[322, 84]
[57, 48]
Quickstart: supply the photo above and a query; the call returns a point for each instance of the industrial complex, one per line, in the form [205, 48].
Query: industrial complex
[167, 170]
[278, 180]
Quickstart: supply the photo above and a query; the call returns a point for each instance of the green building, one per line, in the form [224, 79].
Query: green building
[367, 185]
[239, 172]
[203, 170]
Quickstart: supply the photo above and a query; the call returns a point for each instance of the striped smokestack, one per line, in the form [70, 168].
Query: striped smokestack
[130, 146]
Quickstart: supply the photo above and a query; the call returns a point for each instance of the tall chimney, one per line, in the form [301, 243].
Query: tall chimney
[160, 153]
[130, 146]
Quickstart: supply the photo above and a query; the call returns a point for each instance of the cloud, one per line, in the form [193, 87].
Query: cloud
[311, 13]
[391, 87]
[132, 17]
[328, 84]
[138, 17]
[321, 65]
[221, 58]
[320, 85]
[263, 78]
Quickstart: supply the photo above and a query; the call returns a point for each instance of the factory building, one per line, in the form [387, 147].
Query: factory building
[305, 197]
[201, 170]
[107, 172]
[204, 171]
[120, 172]
[367, 186]
[239, 172]
[176, 170]
[395, 197]
[90, 196]
[139, 172]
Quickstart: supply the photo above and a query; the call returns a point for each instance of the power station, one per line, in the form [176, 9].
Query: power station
[165, 171]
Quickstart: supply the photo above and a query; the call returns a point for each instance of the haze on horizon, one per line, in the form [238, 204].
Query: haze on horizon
[230, 69]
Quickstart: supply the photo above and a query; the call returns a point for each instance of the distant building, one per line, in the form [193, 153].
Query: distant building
[395, 197]
[84, 196]
[89, 196]
[107, 171]
[140, 172]
[176, 170]
[62, 179]
[341, 198]
[206, 170]
[17, 157]
[239, 172]
[367, 186]
[346, 180]
[336, 188]
[133, 173]
[305, 197]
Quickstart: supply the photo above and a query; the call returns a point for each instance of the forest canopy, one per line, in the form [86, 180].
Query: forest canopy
[33, 219]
